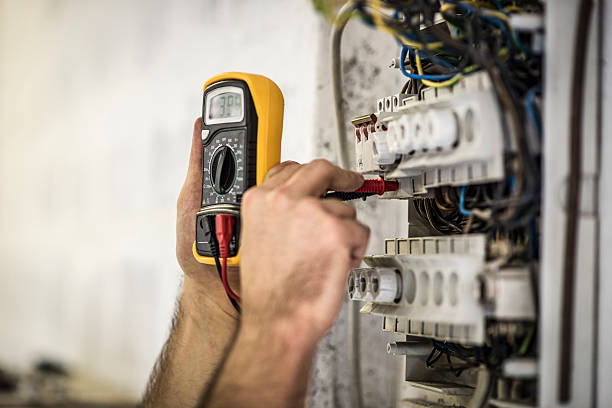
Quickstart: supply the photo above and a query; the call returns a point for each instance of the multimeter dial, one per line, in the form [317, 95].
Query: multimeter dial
[223, 169]
[224, 175]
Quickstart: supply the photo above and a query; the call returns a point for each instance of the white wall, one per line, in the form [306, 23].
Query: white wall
[97, 104]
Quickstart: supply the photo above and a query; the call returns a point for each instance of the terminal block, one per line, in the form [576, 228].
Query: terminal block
[451, 136]
[382, 285]
[442, 288]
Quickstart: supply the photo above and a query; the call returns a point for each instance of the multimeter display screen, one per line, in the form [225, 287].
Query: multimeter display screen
[225, 105]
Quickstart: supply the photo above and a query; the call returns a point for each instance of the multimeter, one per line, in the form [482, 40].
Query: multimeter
[242, 120]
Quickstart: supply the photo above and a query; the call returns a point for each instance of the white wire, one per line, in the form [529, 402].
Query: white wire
[343, 16]
[483, 388]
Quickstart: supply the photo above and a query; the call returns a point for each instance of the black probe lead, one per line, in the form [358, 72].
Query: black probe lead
[215, 250]
[220, 272]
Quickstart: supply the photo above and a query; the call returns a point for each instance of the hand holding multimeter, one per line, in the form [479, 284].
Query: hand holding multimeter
[242, 118]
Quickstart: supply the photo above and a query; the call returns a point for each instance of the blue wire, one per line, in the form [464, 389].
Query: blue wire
[462, 209]
[531, 110]
[438, 61]
[416, 76]
[512, 180]
[499, 23]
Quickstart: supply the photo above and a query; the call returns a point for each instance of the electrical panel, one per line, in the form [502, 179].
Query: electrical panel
[463, 140]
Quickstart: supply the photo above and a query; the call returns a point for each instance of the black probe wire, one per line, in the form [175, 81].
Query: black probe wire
[220, 272]
[347, 196]
[572, 212]
[215, 250]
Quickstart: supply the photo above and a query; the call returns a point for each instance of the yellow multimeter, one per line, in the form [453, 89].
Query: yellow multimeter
[242, 121]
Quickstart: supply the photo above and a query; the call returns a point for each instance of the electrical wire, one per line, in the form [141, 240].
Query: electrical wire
[379, 22]
[462, 203]
[531, 110]
[344, 15]
[342, 18]
[484, 383]
[226, 284]
[420, 75]
[572, 216]
[230, 298]
[449, 82]
[221, 270]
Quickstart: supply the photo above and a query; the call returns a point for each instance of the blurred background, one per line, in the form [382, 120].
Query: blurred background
[97, 104]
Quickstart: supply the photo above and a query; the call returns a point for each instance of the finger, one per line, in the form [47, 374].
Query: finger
[195, 158]
[280, 173]
[189, 198]
[358, 236]
[353, 243]
[320, 176]
[338, 208]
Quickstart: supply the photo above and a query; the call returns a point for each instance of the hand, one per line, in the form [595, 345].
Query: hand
[298, 248]
[200, 279]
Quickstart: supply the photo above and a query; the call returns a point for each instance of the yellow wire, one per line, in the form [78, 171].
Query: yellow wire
[434, 84]
[378, 20]
[442, 84]
[497, 14]
[514, 9]
[446, 6]
[479, 3]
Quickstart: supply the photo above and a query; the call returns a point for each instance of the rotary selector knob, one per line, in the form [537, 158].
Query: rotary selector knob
[223, 169]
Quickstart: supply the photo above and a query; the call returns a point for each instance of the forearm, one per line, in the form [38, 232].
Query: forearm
[201, 335]
[267, 367]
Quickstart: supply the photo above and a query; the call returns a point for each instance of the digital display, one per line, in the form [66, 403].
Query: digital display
[225, 105]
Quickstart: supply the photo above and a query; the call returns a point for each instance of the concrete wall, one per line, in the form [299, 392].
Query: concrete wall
[97, 105]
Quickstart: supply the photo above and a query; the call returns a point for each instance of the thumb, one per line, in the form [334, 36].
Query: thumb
[194, 173]
[189, 198]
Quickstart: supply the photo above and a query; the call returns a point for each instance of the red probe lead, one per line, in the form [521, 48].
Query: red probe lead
[369, 187]
[224, 226]
[378, 186]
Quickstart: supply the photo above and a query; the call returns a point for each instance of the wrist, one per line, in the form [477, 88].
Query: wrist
[198, 298]
[269, 360]
[290, 346]
[294, 338]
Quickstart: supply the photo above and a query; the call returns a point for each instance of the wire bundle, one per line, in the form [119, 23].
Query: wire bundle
[441, 42]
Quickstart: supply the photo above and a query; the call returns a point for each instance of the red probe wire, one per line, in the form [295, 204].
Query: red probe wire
[224, 226]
